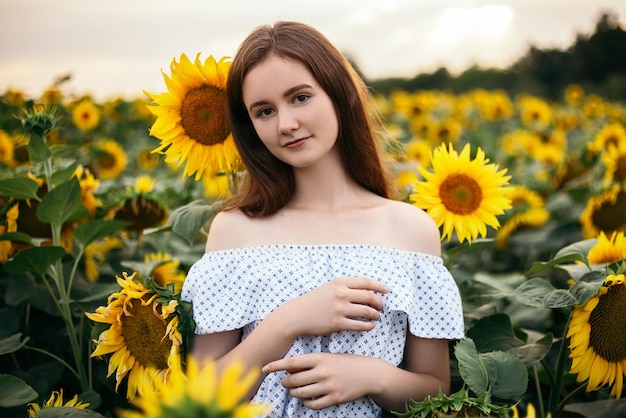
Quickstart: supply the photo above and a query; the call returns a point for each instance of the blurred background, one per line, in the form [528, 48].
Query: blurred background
[116, 48]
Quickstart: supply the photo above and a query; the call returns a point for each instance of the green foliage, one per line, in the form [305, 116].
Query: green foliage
[459, 404]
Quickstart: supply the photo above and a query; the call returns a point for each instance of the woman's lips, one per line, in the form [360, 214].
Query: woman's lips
[297, 143]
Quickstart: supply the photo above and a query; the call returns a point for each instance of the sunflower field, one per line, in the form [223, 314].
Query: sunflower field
[105, 205]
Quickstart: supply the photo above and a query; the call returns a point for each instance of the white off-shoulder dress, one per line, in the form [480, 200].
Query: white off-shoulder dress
[238, 288]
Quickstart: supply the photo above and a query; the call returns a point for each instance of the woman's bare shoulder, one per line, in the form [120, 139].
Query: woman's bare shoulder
[227, 230]
[414, 228]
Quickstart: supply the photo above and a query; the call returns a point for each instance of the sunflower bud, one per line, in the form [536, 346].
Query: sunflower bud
[38, 121]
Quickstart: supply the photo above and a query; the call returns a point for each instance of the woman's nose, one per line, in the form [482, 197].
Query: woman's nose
[287, 122]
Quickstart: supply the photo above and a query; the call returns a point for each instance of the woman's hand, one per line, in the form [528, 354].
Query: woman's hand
[343, 304]
[327, 379]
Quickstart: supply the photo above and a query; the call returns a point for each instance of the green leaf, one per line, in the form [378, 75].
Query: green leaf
[14, 391]
[580, 248]
[472, 370]
[67, 412]
[569, 258]
[18, 290]
[532, 353]
[36, 260]
[38, 151]
[61, 204]
[187, 220]
[12, 343]
[17, 237]
[494, 333]
[63, 175]
[599, 409]
[97, 229]
[508, 375]
[539, 293]
[587, 286]
[19, 188]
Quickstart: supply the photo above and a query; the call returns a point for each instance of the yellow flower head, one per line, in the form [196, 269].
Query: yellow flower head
[55, 400]
[200, 389]
[574, 94]
[144, 184]
[143, 336]
[167, 271]
[535, 111]
[608, 250]
[597, 335]
[605, 212]
[86, 115]
[611, 135]
[191, 117]
[462, 194]
[527, 211]
[614, 161]
[110, 159]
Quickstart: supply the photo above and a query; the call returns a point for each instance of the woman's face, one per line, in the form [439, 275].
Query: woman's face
[291, 113]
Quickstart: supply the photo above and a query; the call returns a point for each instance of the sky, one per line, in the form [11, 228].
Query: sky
[118, 48]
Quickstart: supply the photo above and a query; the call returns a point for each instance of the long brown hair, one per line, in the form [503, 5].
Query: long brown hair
[270, 182]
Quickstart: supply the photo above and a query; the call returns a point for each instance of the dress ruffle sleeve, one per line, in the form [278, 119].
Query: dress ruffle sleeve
[233, 288]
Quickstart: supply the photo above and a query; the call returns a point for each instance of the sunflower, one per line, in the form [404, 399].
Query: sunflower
[7, 148]
[7, 248]
[597, 333]
[614, 160]
[534, 111]
[418, 150]
[216, 185]
[605, 212]
[96, 255]
[608, 250]
[198, 392]
[147, 160]
[462, 194]
[574, 94]
[56, 400]
[527, 211]
[52, 96]
[493, 106]
[86, 115]
[110, 159]
[88, 185]
[167, 270]
[191, 117]
[594, 106]
[143, 336]
[609, 136]
[144, 184]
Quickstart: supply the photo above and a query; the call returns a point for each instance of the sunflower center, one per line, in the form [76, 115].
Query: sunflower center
[143, 333]
[608, 325]
[106, 160]
[611, 216]
[203, 115]
[460, 194]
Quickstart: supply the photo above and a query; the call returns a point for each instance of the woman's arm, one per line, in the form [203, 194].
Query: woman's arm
[326, 379]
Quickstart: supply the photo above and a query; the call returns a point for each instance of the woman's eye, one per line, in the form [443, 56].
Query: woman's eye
[264, 112]
[301, 98]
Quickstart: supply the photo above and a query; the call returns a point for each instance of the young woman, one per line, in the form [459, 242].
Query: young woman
[313, 272]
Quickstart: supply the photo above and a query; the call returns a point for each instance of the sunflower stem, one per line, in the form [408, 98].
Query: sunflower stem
[554, 407]
[570, 395]
[539, 396]
[57, 358]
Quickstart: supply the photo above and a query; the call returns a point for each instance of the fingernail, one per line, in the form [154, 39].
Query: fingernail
[265, 369]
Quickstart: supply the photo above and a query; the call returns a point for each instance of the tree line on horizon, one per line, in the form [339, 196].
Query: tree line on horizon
[596, 62]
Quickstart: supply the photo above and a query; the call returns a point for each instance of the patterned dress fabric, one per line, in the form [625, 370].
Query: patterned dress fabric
[237, 288]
